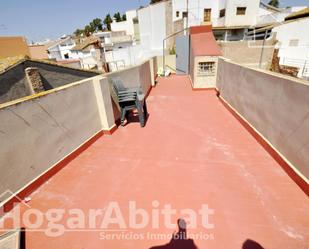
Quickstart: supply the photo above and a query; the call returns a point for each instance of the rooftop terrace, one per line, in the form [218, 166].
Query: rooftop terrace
[192, 151]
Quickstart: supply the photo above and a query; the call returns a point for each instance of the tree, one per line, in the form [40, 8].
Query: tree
[78, 32]
[96, 24]
[124, 17]
[88, 30]
[117, 16]
[274, 3]
[107, 21]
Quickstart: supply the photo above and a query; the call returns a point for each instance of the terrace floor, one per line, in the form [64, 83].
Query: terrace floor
[191, 152]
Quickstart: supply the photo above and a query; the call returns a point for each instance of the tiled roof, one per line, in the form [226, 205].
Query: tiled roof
[204, 44]
[5, 63]
[88, 41]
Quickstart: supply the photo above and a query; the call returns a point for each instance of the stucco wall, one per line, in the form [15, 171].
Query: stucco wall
[275, 105]
[38, 132]
[249, 53]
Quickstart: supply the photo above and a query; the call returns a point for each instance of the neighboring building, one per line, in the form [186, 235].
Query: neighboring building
[13, 46]
[128, 25]
[293, 42]
[89, 53]
[155, 24]
[61, 49]
[269, 14]
[218, 13]
[24, 77]
[118, 50]
[38, 51]
[204, 52]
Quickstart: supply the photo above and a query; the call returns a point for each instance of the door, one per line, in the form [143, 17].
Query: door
[207, 15]
[182, 54]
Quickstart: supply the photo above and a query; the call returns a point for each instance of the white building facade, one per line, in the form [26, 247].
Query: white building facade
[128, 25]
[293, 45]
[61, 50]
[218, 13]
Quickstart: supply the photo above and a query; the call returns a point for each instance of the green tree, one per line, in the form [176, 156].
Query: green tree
[117, 16]
[88, 30]
[124, 17]
[78, 32]
[274, 3]
[107, 21]
[96, 24]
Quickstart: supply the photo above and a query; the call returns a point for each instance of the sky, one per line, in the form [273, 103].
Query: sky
[41, 19]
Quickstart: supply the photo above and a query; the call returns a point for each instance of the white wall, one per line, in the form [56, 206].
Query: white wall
[125, 57]
[294, 55]
[152, 26]
[196, 11]
[58, 51]
[251, 16]
[127, 25]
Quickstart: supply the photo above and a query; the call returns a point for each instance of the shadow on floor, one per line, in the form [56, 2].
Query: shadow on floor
[251, 244]
[132, 117]
[179, 240]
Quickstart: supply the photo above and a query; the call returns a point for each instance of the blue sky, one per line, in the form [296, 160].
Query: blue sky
[40, 19]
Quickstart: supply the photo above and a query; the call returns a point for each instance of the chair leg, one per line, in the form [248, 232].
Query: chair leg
[140, 114]
[145, 109]
[123, 114]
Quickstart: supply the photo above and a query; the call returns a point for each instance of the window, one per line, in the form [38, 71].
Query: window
[206, 68]
[222, 13]
[185, 14]
[66, 56]
[294, 43]
[177, 13]
[241, 11]
[207, 15]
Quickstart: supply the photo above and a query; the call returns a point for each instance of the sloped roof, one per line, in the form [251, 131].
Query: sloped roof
[204, 44]
[88, 41]
[298, 14]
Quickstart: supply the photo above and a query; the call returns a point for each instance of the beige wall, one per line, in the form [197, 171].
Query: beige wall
[170, 62]
[38, 132]
[38, 51]
[275, 105]
[204, 81]
[248, 52]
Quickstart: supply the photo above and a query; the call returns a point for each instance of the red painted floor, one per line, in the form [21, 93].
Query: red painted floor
[191, 152]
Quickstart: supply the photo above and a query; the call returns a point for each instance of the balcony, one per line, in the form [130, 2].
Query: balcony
[196, 149]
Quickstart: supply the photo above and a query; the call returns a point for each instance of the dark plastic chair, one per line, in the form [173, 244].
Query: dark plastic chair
[130, 99]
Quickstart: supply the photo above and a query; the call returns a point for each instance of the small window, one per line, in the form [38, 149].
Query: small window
[185, 14]
[177, 13]
[207, 15]
[241, 11]
[66, 56]
[294, 43]
[206, 68]
[222, 13]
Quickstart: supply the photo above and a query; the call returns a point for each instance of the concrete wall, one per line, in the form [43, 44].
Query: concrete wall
[13, 81]
[275, 105]
[40, 131]
[249, 53]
